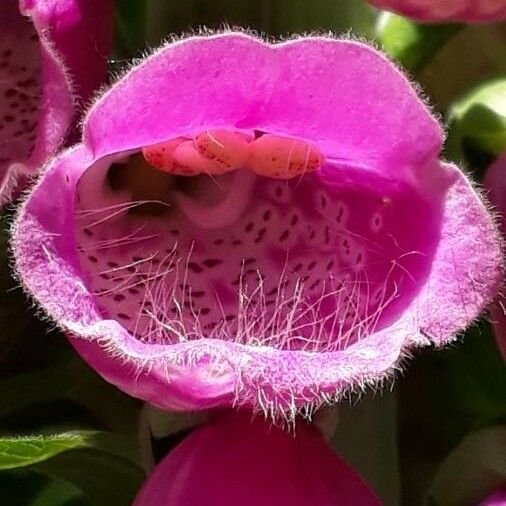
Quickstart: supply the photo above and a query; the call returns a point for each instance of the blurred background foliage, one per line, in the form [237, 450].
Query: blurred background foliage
[435, 436]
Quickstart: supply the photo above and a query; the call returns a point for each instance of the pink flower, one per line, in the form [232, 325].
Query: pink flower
[495, 181]
[236, 460]
[496, 499]
[322, 241]
[53, 54]
[469, 11]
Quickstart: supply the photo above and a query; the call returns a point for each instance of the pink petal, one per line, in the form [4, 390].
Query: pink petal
[361, 108]
[470, 11]
[236, 460]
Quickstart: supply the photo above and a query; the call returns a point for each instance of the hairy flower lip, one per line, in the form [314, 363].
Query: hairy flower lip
[208, 372]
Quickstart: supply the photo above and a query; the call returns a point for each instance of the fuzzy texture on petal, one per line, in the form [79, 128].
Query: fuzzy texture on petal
[278, 295]
[495, 182]
[496, 499]
[236, 460]
[53, 55]
[467, 11]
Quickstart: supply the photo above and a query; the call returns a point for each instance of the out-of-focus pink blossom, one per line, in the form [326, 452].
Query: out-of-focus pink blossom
[495, 181]
[235, 460]
[470, 11]
[53, 55]
[496, 499]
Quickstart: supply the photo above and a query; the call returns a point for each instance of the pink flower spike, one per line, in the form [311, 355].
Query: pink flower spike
[495, 182]
[235, 460]
[239, 288]
[53, 55]
[467, 11]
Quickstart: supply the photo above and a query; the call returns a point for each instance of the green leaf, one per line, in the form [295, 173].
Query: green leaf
[28, 450]
[58, 492]
[74, 381]
[102, 466]
[478, 121]
[412, 44]
[28, 488]
[473, 470]
[104, 478]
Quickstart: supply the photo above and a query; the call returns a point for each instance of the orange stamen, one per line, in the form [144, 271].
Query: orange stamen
[282, 157]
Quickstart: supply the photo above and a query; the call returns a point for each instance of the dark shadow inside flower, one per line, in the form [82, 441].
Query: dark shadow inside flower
[20, 87]
[314, 262]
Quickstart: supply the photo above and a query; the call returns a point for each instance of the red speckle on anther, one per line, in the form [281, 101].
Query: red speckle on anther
[282, 157]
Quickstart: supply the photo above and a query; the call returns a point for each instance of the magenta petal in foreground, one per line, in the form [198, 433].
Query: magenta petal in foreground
[255, 286]
[53, 55]
[495, 181]
[235, 460]
[470, 11]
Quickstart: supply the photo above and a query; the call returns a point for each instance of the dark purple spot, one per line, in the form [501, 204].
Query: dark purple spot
[315, 284]
[284, 235]
[93, 259]
[195, 267]
[212, 262]
[123, 316]
[118, 297]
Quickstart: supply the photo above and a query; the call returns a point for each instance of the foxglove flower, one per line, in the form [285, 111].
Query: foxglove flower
[265, 225]
[234, 460]
[52, 56]
[468, 11]
[495, 181]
